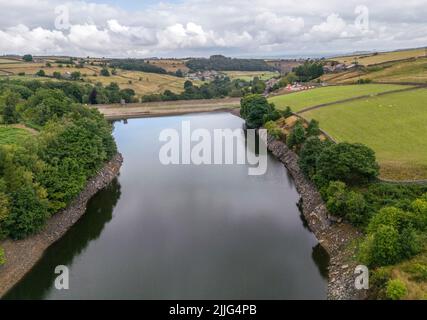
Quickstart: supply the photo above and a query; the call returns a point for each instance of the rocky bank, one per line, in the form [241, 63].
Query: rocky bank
[22, 255]
[334, 235]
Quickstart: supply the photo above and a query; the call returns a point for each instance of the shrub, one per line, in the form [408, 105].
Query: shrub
[419, 272]
[104, 72]
[419, 207]
[350, 163]
[389, 216]
[396, 289]
[347, 204]
[41, 73]
[409, 242]
[309, 153]
[313, 128]
[378, 282]
[383, 247]
[297, 136]
[273, 129]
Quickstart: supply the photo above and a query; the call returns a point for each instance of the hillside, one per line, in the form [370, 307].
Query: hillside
[381, 57]
[141, 82]
[408, 66]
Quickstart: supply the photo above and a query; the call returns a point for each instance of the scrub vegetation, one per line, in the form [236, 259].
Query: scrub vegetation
[44, 168]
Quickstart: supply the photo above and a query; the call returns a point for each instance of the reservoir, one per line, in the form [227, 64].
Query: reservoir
[184, 231]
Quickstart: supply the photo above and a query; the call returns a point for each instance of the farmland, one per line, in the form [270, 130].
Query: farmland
[141, 82]
[403, 71]
[170, 65]
[249, 75]
[381, 57]
[303, 99]
[393, 125]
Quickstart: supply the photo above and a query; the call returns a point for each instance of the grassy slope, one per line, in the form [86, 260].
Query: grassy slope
[393, 125]
[370, 59]
[303, 99]
[407, 71]
[10, 135]
[149, 83]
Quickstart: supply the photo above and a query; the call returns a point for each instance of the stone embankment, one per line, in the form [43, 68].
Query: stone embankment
[335, 236]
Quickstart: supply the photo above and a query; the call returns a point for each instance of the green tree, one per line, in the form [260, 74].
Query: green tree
[309, 153]
[40, 73]
[27, 58]
[76, 75]
[297, 136]
[253, 108]
[350, 163]
[313, 128]
[104, 72]
[10, 115]
[57, 75]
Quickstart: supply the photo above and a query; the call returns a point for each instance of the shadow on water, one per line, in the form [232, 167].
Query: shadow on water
[37, 283]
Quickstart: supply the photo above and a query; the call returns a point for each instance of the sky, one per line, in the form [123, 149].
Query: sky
[200, 28]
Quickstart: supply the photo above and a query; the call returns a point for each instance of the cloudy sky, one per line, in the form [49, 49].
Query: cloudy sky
[180, 28]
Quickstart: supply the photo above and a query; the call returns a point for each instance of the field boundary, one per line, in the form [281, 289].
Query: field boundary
[401, 182]
[358, 98]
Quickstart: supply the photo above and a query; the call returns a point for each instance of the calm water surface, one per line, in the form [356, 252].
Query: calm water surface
[185, 231]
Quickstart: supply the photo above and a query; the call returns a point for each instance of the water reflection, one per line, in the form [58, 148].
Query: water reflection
[37, 283]
[185, 231]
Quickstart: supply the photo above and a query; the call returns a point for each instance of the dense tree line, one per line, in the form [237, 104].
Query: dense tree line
[308, 71]
[221, 63]
[43, 174]
[136, 65]
[77, 92]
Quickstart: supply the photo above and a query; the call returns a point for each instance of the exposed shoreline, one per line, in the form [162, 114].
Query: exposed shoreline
[166, 108]
[335, 237]
[22, 255]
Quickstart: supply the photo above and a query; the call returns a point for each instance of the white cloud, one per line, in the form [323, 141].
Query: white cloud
[202, 27]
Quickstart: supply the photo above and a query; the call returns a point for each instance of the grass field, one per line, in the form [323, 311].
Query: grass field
[393, 125]
[11, 135]
[406, 71]
[249, 75]
[370, 59]
[142, 82]
[303, 99]
[170, 65]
